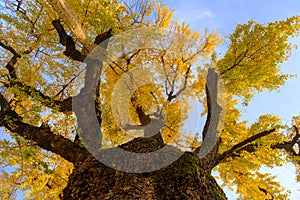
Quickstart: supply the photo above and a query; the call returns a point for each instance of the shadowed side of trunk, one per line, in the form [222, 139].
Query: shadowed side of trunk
[183, 179]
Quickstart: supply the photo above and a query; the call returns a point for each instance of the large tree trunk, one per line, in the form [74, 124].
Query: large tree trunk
[183, 179]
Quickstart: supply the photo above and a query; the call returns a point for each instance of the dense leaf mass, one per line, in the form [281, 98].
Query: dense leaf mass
[45, 64]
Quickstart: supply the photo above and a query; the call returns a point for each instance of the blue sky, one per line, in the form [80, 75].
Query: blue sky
[223, 15]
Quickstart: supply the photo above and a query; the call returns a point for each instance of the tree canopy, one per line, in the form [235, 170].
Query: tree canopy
[43, 68]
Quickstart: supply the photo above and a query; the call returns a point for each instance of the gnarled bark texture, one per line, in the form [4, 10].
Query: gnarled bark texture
[183, 179]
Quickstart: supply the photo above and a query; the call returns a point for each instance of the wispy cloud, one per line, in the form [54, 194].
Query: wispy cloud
[194, 16]
[200, 15]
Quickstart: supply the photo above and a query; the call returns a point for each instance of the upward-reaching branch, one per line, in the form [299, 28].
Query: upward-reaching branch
[209, 108]
[10, 66]
[66, 14]
[213, 109]
[210, 144]
[288, 146]
[68, 42]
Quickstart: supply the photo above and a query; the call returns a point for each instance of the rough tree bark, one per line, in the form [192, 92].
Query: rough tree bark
[189, 177]
[183, 179]
[186, 178]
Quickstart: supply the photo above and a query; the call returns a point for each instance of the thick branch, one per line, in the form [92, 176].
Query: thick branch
[68, 42]
[144, 119]
[210, 145]
[66, 14]
[4, 105]
[242, 144]
[64, 106]
[103, 36]
[288, 146]
[42, 136]
[297, 136]
[211, 89]
[208, 117]
[9, 48]
[10, 65]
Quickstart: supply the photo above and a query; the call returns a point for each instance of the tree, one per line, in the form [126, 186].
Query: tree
[47, 73]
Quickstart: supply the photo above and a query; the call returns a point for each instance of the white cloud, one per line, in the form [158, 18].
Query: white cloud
[200, 15]
[196, 16]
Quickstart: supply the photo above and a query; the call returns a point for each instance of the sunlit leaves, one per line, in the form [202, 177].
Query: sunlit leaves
[250, 65]
[255, 54]
[171, 66]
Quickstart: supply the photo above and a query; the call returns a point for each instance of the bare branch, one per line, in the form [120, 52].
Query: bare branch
[66, 85]
[184, 84]
[167, 81]
[287, 146]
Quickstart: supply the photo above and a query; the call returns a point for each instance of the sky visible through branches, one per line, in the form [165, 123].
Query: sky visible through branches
[223, 17]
